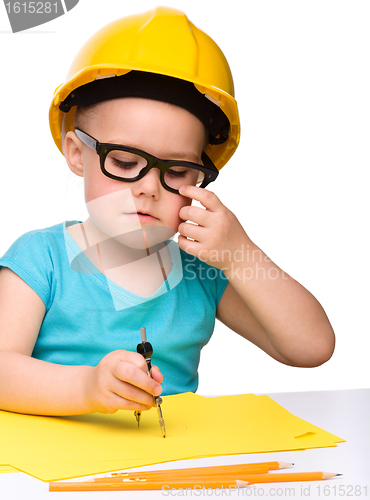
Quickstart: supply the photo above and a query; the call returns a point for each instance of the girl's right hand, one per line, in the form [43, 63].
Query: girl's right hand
[121, 382]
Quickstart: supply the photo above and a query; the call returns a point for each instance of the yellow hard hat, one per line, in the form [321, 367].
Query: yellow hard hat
[162, 46]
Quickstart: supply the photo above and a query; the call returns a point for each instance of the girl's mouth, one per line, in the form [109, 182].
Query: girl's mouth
[143, 217]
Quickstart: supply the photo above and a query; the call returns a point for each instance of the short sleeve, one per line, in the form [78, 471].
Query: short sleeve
[221, 284]
[30, 258]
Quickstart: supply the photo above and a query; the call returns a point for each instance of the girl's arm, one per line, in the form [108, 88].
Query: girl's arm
[29, 385]
[261, 302]
[287, 322]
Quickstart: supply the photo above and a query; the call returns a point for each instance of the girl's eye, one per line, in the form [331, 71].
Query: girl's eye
[176, 173]
[124, 164]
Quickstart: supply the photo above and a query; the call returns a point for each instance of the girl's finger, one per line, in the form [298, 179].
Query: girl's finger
[136, 378]
[191, 231]
[156, 374]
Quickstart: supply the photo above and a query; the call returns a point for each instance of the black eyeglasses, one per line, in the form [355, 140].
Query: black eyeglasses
[127, 164]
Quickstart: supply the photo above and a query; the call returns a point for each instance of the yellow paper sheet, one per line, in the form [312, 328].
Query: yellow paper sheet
[4, 469]
[53, 448]
[306, 434]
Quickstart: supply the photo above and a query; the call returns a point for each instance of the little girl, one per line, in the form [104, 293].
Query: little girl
[147, 117]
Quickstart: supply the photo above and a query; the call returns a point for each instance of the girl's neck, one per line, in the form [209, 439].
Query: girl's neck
[140, 270]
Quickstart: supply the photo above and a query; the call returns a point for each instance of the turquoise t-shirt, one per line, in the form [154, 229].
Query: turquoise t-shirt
[88, 315]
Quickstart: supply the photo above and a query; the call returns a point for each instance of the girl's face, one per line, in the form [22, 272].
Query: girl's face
[163, 130]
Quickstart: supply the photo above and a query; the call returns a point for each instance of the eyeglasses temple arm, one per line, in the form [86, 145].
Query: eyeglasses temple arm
[208, 163]
[87, 139]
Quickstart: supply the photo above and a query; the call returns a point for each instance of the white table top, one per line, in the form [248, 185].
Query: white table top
[345, 413]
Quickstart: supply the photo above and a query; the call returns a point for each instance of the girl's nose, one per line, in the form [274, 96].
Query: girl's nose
[150, 184]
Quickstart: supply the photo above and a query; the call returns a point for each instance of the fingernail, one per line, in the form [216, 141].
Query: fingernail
[157, 390]
[182, 189]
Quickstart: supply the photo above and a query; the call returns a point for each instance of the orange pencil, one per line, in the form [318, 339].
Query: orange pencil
[207, 482]
[230, 476]
[254, 468]
[188, 473]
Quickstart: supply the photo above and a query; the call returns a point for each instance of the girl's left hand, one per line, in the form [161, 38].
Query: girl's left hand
[217, 233]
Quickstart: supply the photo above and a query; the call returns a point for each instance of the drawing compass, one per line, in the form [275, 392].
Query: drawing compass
[146, 350]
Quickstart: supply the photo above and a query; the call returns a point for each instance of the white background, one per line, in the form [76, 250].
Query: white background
[298, 182]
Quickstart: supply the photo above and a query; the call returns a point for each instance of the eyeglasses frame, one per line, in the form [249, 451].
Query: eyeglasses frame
[103, 149]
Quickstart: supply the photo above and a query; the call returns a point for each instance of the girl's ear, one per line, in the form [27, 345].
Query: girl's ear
[73, 153]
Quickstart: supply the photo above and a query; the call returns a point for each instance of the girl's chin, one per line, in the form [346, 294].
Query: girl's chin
[145, 237]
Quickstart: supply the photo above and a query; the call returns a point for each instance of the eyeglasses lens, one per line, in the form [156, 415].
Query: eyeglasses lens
[175, 177]
[124, 164]
[128, 166]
